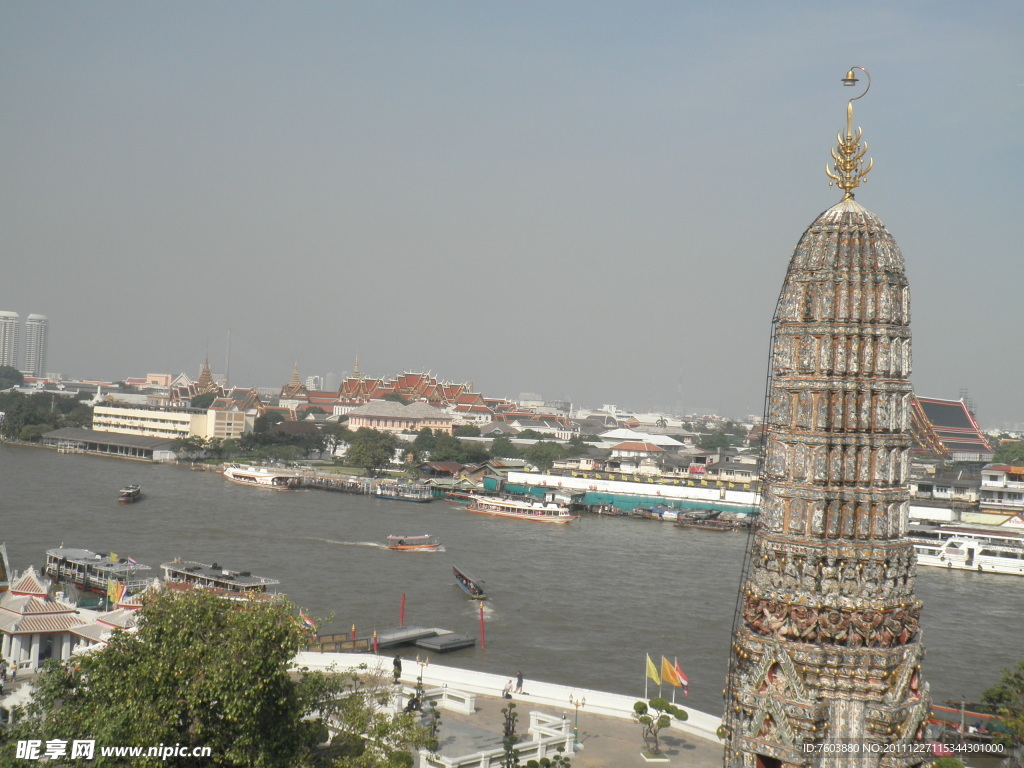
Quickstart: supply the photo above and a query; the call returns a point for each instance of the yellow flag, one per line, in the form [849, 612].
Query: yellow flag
[652, 671]
[112, 590]
[113, 557]
[669, 674]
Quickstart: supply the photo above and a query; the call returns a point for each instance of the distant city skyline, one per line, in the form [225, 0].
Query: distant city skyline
[593, 201]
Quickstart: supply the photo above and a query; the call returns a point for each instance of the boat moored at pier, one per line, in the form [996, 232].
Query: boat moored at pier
[414, 492]
[969, 548]
[534, 511]
[263, 477]
[184, 574]
[93, 572]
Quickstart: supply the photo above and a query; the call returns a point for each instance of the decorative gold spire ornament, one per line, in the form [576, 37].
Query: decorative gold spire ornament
[849, 153]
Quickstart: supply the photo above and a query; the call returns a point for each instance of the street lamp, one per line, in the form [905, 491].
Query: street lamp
[425, 661]
[576, 703]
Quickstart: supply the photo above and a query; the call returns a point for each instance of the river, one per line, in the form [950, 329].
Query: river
[576, 605]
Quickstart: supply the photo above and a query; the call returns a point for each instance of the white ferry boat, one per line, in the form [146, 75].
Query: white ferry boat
[414, 492]
[533, 511]
[93, 572]
[971, 548]
[263, 477]
[186, 574]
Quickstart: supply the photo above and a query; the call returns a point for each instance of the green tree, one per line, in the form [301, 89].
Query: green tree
[266, 421]
[206, 672]
[1010, 452]
[543, 454]
[204, 400]
[335, 435]
[1007, 699]
[371, 449]
[466, 430]
[189, 447]
[653, 716]
[503, 447]
[40, 409]
[10, 377]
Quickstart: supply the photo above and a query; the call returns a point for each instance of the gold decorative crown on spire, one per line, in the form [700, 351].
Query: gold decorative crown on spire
[849, 153]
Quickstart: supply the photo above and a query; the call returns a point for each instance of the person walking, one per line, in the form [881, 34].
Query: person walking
[398, 666]
[519, 681]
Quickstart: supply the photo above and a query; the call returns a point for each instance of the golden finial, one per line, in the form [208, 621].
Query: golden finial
[849, 153]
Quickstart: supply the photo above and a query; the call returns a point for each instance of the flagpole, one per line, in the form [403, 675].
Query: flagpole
[646, 675]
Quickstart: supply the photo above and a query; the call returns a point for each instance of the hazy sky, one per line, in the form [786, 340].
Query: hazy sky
[589, 200]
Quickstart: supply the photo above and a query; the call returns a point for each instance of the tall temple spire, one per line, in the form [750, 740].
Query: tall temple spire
[206, 382]
[825, 666]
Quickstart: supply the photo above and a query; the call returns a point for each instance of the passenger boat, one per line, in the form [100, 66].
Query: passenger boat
[184, 574]
[262, 477]
[419, 494]
[129, 494]
[969, 548]
[534, 511]
[468, 584]
[93, 572]
[414, 543]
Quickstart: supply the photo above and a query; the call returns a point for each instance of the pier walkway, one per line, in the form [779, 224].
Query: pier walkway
[472, 721]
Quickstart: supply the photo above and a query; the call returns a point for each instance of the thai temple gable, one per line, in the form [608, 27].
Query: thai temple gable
[827, 644]
[31, 583]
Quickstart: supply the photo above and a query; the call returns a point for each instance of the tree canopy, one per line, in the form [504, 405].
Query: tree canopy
[203, 671]
[1007, 699]
[1010, 452]
[371, 449]
[203, 401]
[26, 417]
[10, 377]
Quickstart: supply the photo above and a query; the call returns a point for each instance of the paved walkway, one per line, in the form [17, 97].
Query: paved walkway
[607, 742]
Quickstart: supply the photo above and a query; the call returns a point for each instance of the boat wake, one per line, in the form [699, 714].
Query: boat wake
[346, 543]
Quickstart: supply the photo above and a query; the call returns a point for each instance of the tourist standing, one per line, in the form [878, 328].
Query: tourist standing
[398, 666]
[519, 681]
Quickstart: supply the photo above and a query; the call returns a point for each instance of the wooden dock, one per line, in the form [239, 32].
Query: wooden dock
[440, 640]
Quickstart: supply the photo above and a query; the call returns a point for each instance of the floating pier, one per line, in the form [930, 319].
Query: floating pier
[445, 643]
[439, 640]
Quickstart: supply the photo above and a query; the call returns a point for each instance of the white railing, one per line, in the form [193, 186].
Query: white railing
[541, 694]
[548, 735]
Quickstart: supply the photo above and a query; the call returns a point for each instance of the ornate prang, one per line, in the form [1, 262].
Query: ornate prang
[849, 154]
[827, 645]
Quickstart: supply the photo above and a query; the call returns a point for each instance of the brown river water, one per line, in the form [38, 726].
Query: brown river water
[576, 605]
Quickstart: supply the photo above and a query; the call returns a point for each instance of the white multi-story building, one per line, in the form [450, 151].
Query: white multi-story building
[173, 423]
[36, 330]
[9, 331]
[1001, 493]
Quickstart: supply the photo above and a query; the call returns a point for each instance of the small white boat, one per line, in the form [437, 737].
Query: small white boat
[262, 477]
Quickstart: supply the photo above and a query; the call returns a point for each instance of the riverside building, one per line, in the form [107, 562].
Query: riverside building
[825, 665]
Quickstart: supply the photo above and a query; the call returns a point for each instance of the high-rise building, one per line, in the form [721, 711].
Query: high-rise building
[10, 329]
[36, 328]
[825, 666]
